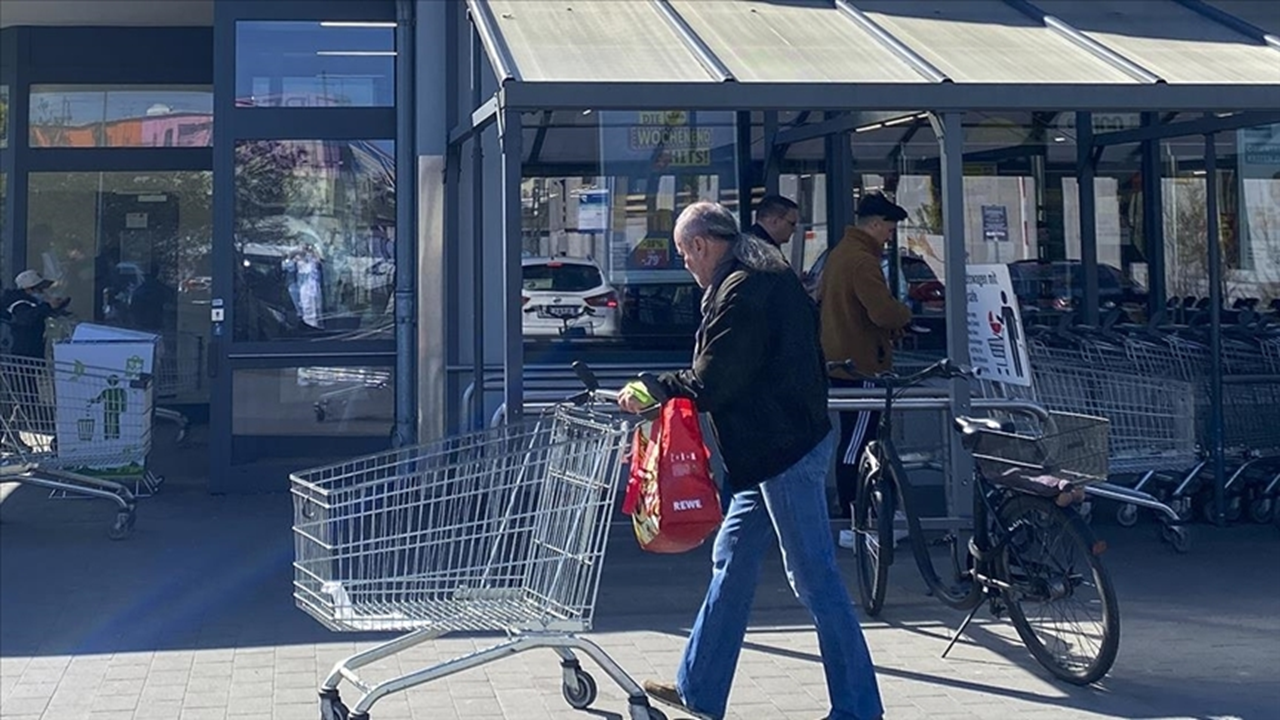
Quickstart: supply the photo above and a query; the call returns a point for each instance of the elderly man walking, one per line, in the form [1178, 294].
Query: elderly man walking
[758, 370]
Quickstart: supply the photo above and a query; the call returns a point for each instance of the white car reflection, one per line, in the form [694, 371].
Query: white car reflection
[567, 296]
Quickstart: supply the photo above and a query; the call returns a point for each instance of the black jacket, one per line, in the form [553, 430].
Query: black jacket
[758, 371]
[26, 316]
[758, 230]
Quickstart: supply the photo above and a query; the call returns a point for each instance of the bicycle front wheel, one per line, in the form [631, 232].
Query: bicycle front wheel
[1061, 600]
[873, 511]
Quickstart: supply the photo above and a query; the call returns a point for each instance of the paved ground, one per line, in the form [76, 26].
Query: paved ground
[191, 619]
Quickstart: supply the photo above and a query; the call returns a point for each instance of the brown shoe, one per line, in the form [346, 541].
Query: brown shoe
[667, 694]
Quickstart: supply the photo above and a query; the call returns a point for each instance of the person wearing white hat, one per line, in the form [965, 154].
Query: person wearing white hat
[26, 309]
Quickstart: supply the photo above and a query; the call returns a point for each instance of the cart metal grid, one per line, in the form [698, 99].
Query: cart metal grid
[500, 530]
[69, 428]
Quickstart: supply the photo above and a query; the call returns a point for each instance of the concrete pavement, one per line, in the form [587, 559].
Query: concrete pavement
[192, 619]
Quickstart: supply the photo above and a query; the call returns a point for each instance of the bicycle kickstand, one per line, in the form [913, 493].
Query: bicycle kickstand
[960, 630]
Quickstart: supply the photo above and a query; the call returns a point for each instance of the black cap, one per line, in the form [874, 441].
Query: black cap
[875, 204]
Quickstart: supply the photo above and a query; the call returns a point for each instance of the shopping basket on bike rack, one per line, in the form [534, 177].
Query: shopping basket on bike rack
[1067, 451]
[499, 530]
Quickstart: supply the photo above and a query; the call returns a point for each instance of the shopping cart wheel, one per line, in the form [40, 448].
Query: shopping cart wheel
[331, 707]
[1127, 515]
[582, 693]
[1177, 536]
[122, 525]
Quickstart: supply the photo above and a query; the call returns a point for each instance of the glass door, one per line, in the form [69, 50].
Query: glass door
[302, 311]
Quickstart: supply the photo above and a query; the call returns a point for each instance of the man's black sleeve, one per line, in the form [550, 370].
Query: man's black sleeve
[735, 333]
[27, 314]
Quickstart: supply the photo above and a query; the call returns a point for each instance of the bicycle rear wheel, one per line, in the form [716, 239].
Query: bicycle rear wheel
[873, 511]
[1061, 602]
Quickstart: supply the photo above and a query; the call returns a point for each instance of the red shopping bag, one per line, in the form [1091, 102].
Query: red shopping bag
[671, 498]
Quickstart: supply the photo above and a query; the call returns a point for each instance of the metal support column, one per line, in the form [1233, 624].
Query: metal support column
[1216, 419]
[951, 129]
[772, 166]
[745, 178]
[477, 240]
[839, 154]
[406, 384]
[1153, 217]
[510, 138]
[1085, 170]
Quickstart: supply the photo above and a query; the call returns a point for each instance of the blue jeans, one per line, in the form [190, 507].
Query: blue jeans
[795, 504]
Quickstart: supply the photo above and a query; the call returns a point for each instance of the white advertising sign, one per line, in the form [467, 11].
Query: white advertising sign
[997, 345]
[103, 418]
[593, 211]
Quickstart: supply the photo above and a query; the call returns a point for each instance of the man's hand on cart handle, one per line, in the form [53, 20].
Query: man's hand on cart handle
[634, 398]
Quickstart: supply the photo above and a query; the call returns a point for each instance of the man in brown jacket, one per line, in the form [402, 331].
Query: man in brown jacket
[860, 321]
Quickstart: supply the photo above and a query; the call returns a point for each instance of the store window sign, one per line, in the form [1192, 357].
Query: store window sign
[593, 210]
[995, 223]
[669, 158]
[997, 345]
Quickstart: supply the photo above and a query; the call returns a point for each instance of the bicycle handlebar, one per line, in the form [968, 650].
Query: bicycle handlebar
[942, 369]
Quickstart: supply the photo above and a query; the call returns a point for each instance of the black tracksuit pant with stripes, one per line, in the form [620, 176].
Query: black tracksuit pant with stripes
[856, 429]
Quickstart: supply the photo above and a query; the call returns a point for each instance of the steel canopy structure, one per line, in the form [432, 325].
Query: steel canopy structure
[1111, 55]
[841, 59]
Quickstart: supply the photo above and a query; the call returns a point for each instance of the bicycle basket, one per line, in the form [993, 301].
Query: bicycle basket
[1072, 450]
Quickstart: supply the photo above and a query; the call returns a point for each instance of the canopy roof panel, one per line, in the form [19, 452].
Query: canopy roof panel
[1172, 41]
[988, 41]
[584, 40]
[805, 42]
[1100, 55]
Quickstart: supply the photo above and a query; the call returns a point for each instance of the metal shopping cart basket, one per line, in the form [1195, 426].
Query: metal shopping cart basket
[74, 430]
[500, 530]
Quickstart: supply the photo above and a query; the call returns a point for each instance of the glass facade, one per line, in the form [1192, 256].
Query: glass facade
[255, 254]
[131, 250]
[315, 64]
[121, 116]
[600, 266]
[314, 239]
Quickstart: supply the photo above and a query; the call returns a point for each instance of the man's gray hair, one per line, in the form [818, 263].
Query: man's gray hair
[714, 221]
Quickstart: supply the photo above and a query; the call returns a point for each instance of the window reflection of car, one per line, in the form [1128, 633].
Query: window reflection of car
[924, 292]
[1059, 285]
[567, 296]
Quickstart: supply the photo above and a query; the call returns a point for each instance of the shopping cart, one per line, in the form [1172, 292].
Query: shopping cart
[1151, 425]
[69, 428]
[498, 530]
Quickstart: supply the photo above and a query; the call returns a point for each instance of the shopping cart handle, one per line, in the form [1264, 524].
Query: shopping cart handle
[586, 376]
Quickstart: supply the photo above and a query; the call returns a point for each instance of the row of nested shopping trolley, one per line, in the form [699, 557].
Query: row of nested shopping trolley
[82, 431]
[1153, 382]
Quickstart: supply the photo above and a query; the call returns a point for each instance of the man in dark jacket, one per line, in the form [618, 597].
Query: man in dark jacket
[776, 219]
[26, 311]
[758, 370]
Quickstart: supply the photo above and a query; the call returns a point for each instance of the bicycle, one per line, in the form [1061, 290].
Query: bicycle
[1025, 485]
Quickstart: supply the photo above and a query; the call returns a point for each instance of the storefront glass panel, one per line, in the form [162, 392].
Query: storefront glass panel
[310, 413]
[314, 240]
[301, 64]
[83, 116]
[132, 250]
[608, 226]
